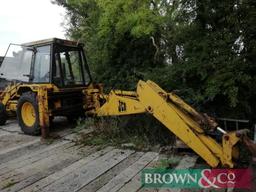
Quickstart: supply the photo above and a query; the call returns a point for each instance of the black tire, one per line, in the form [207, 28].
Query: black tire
[3, 116]
[28, 97]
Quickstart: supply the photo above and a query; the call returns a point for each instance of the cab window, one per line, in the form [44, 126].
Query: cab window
[41, 67]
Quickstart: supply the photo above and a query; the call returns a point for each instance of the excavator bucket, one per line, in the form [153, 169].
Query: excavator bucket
[247, 141]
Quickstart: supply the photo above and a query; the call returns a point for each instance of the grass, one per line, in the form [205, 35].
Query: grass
[49, 141]
[83, 124]
[139, 132]
[170, 162]
[9, 184]
[133, 142]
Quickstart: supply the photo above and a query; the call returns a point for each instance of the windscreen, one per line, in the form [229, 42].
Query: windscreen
[16, 64]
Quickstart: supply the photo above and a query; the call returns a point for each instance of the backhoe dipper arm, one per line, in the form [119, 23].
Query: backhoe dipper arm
[181, 119]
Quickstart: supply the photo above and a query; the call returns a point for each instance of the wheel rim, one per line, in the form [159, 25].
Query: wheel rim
[28, 114]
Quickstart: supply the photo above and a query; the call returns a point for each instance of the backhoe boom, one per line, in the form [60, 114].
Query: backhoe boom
[180, 118]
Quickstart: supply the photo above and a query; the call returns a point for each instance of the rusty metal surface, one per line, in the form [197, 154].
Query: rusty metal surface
[43, 111]
[250, 145]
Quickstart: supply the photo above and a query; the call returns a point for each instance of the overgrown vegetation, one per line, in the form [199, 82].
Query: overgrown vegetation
[137, 132]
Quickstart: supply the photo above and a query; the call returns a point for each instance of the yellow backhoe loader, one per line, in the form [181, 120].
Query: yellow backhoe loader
[47, 78]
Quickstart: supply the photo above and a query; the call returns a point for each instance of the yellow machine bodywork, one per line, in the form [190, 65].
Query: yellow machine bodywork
[9, 98]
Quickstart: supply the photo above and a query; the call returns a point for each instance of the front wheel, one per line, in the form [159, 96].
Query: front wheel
[27, 114]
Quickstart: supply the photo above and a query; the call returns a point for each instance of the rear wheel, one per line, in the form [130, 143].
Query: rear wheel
[27, 114]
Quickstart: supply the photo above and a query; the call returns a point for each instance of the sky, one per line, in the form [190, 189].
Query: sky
[23, 21]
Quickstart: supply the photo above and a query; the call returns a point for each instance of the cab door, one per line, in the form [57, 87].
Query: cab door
[41, 68]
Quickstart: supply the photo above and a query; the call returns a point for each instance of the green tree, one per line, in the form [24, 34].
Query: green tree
[204, 49]
[122, 38]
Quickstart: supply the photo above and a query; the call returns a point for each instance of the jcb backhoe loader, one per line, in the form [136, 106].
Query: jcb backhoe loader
[48, 78]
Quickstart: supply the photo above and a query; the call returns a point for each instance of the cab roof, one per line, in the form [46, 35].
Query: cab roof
[53, 41]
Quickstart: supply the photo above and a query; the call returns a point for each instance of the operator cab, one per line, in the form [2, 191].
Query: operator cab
[56, 61]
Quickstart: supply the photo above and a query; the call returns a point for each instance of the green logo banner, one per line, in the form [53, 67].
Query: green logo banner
[196, 178]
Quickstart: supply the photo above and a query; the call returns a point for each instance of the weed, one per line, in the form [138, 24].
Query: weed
[169, 162]
[9, 184]
[82, 123]
[139, 132]
[48, 141]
